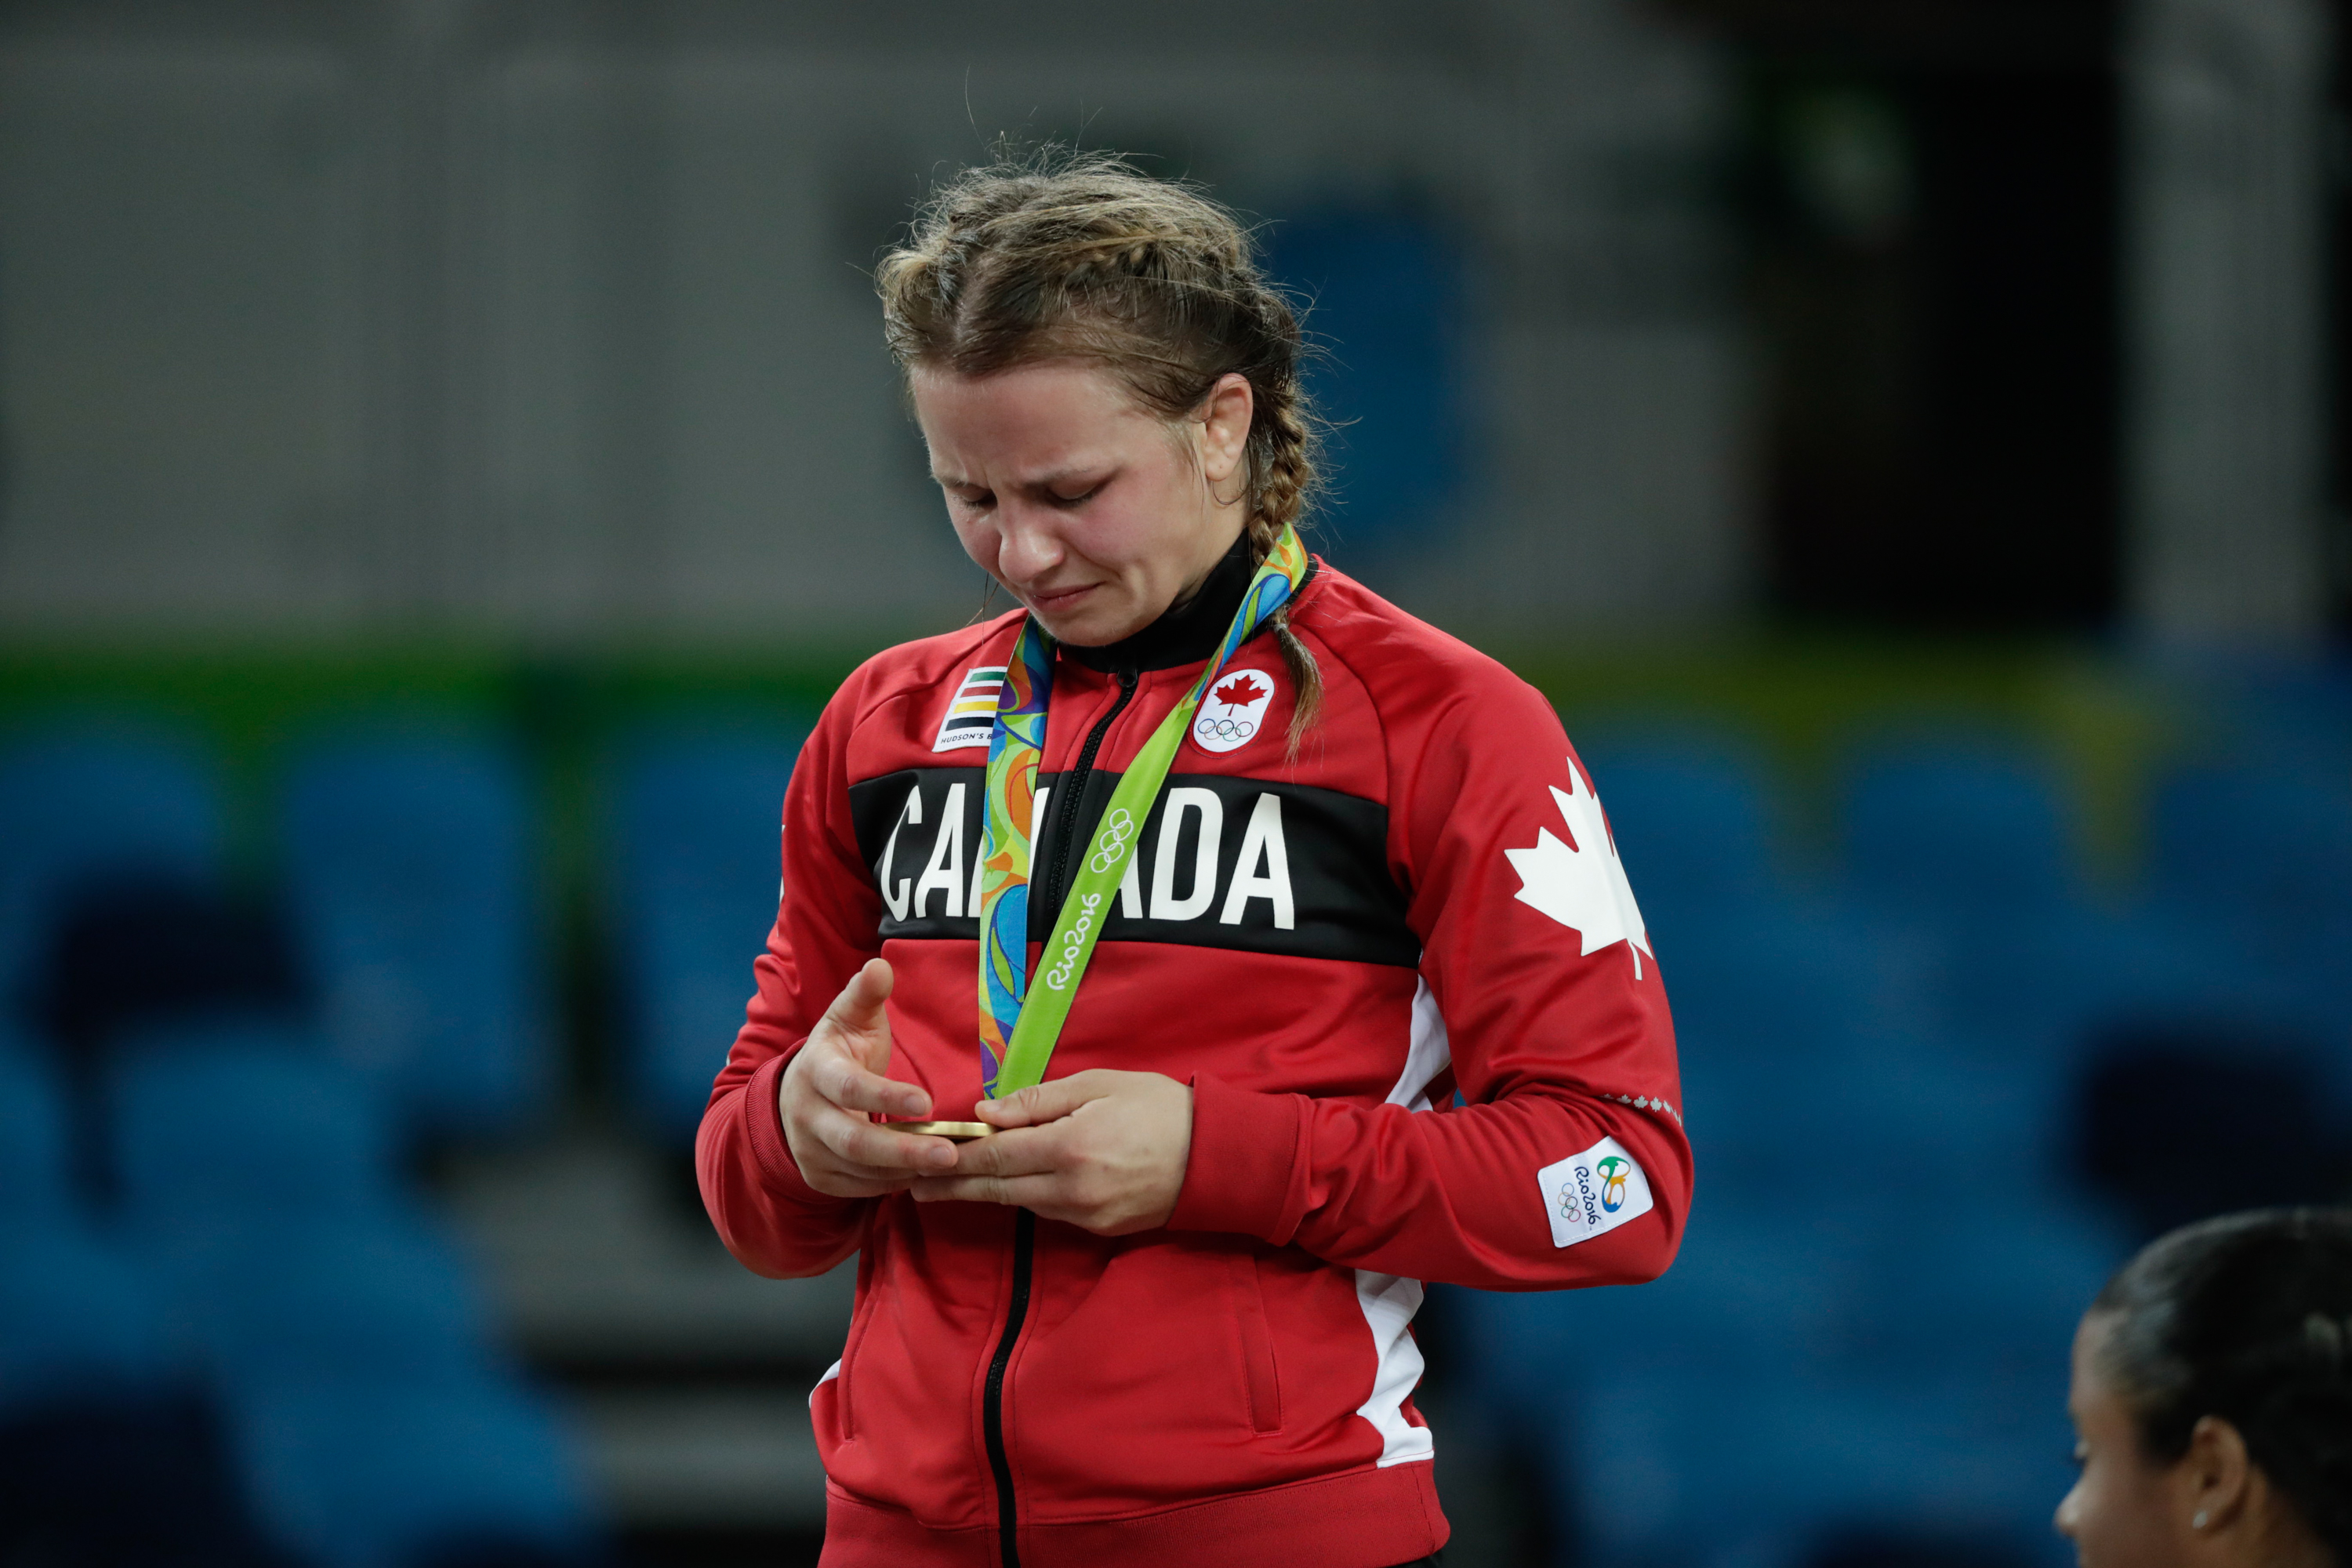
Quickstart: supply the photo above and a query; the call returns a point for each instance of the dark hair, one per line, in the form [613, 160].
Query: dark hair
[1058, 254]
[2248, 1317]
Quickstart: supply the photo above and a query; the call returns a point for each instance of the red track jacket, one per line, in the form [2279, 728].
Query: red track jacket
[1424, 902]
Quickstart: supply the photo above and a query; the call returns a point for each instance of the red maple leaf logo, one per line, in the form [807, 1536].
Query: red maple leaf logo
[1241, 691]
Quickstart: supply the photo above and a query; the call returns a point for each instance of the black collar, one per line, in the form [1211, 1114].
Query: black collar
[1188, 633]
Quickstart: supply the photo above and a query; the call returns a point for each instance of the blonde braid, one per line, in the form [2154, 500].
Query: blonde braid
[1283, 472]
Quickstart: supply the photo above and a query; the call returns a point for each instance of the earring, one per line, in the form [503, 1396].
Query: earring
[2198, 1522]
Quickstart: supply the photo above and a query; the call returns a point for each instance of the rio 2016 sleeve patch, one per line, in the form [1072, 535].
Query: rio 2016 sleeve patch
[1593, 1193]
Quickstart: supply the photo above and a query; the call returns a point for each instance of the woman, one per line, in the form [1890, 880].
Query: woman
[2212, 1400]
[1264, 870]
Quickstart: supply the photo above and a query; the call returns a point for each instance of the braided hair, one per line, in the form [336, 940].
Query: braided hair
[1066, 255]
[2248, 1317]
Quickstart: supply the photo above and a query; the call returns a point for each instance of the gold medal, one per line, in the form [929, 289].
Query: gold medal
[961, 1131]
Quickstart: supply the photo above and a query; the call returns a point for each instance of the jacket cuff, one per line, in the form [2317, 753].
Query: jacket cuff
[763, 1123]
[1246, 1172]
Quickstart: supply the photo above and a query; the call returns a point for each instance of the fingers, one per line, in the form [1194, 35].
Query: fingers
[1048, 1101]
[1042, 1193]
[840, 1176]
[859, 1006]
[855, 1141]
[829, 1173]
[857, 1016]
[850, 1050]
[841, 1081]
[831, 1091]
[1026, 1151]
[1106, 1151]
[1031, 1167]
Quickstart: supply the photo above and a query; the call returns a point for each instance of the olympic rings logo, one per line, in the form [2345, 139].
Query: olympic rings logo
[1110, 847]
[1236, 730]
[1612, 1171]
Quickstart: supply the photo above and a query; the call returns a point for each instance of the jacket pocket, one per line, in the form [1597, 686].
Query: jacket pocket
[1260, 1378]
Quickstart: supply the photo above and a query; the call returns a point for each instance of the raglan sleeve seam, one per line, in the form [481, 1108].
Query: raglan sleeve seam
[1380, 722]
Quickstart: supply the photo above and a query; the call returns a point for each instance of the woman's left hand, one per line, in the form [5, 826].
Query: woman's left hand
[1100, 1149]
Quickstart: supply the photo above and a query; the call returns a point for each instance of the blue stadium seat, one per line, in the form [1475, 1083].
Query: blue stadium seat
[1743, 1292]
[2220, 942]
[2036, 992]
[1793, 984]
[1755, 1469]
[1780, 1021]
[1811, 1364]
[85, 802]
[284, 1303]
[1692, 816]
[2274, 842]
[1957, 828]
[2295, 713]
[2002, 1284]
[411, 872]
[78, 1321]
[372, 1416]
[243, 1119]
[380, 1476]
[695, 821]
[1919, 1126]
[1968, 845]
[1387, 285]
[2264, 852]
[1775, 1387]
[35, 1143]
[2031, 986]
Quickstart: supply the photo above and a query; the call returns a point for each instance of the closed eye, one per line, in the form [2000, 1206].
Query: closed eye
[1074, 486]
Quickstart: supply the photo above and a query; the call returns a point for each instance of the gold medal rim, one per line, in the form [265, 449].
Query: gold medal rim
[962, 1132]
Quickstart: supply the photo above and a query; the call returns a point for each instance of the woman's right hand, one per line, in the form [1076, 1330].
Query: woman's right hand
[835, 1079]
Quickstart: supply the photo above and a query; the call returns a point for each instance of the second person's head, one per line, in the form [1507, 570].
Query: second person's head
[2212, 1400]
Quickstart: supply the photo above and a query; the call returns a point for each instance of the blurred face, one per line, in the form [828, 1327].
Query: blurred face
[1098, 515]
[2124, 1510]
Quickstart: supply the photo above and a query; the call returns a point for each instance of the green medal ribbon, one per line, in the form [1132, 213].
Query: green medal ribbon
[1018, 1028]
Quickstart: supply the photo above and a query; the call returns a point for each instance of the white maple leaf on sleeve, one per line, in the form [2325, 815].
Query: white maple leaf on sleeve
[1582, 885]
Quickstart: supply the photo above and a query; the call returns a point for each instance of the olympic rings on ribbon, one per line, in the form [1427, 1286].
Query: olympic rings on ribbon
[1110, 845]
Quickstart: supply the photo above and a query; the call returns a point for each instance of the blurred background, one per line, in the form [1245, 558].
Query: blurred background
[448, 457]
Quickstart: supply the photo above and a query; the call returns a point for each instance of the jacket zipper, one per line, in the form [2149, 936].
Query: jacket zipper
[1025, 1223]
[1008, 1524]
[1074, 787]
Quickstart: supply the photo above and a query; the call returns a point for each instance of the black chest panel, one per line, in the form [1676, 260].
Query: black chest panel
[1221, 862]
